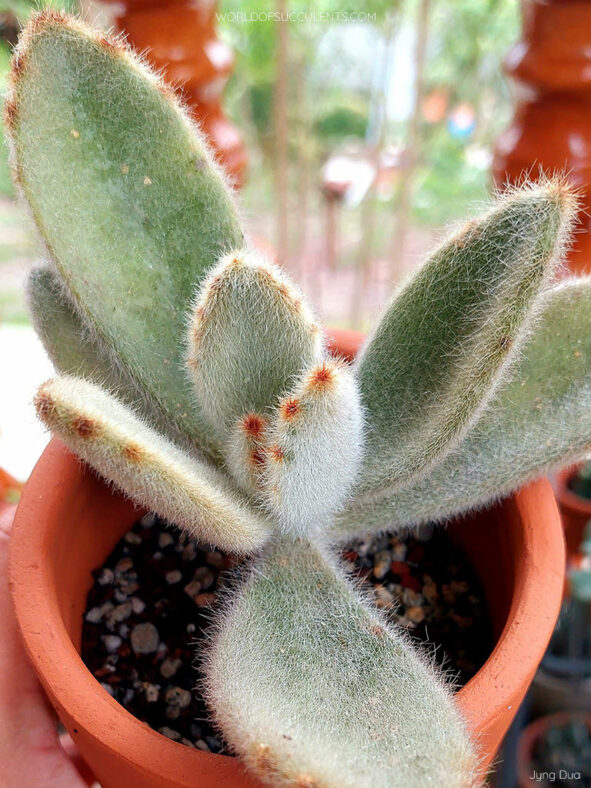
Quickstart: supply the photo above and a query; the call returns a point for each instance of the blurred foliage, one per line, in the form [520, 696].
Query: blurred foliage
[332, 92]
[320, 97]
[342, 122]
[330, 96]
[446, 184]
[468, 41]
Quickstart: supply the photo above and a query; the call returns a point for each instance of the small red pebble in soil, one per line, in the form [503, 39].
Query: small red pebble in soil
[104, 671]
[193, 588]
[459, 587]
[204, 600]
[411, 582]
[416, 554]
[448, 594]
[430, 591]
[463, 622]
[415, 614]
[399, 568]
[215, 558]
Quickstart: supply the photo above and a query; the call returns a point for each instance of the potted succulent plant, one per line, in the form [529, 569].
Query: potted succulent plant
[195, 379]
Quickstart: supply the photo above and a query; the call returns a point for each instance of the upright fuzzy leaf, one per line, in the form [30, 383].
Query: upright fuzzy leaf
[313, 448]
[311, 687]
[250, 337]
[125, 195]
[447, 339]
[75, 350]
[68, 341]
[539, 421]
[152, 471]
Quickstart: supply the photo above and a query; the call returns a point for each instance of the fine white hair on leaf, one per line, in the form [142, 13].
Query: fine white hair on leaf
[250, 336]
[132, 227]
[146, 466]
[477, 379]
[312, 688]
[313, 450]
[538, 421]
[450, 336]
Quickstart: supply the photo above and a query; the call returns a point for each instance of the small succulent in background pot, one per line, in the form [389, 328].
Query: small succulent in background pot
[573, 493]
[555, 750]
[563, 681]
[195, 378]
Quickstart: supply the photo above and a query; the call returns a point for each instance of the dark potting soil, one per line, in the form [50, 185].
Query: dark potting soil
[153, 597]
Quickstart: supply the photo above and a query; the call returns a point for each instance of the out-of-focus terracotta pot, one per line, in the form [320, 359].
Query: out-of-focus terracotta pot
[575, 510]
[67, 523]
[529, 739]
[551, 66]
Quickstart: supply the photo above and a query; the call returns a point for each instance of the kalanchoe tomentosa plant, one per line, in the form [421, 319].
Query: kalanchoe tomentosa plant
[194, 377]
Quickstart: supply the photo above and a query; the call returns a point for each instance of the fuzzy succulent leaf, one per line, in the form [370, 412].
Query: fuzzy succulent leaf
[125, 194]
[313, 448]
[250, 337]
[312, 688]
[74, 350]
[245, 452]
[538, 421]
[150, 469]
[69, 343]
[447, 339]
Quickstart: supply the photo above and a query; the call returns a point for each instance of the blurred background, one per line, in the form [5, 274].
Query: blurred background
[365, 132]
[357, 138]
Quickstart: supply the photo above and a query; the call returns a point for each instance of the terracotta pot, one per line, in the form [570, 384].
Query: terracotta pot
[68, 522]
[530, 737]
[575, 510]
[551, 124]
[344, 343]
